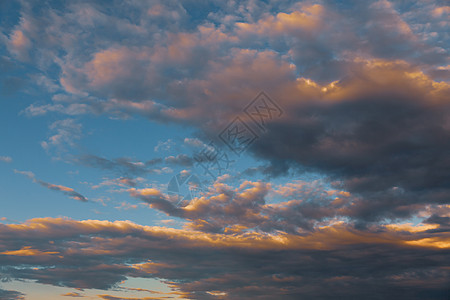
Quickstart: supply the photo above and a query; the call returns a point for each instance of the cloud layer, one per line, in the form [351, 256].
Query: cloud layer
[333, 261]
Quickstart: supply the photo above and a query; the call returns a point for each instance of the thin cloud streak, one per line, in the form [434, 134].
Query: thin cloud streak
[55, 187]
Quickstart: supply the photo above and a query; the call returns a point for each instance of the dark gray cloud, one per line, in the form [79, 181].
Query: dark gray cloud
[390, 147]
[11, 295]
[339, 262]
[225, 209]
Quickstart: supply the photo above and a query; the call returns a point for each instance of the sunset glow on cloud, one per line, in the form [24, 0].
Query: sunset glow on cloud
[224, 150]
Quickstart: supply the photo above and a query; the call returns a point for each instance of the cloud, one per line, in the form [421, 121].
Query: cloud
[295, 207]
[122, 182]
[19, 44]
[126, 206]
[193, 142]
[109, 297]
[371, 141]
[276, 46]
[66, 133]
[122, 166]
[65, 190]
[5, 159]
[308, 19]
[364, 88]
[224, 209]
[180, 159]
[72, 295]
[11, 295]
[201, 264]
[164, 146]
[156, 199]
[27, 251]
[29, 174]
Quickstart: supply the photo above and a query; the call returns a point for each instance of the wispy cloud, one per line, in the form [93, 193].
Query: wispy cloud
[66, 133]
[6, 159]
[55, 187]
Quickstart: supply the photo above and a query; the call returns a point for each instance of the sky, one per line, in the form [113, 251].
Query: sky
[224, 149]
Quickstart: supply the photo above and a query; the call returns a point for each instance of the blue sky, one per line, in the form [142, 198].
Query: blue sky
[344, 157]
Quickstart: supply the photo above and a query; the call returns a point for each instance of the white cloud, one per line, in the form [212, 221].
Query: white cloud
[164, 146]
[6, 159]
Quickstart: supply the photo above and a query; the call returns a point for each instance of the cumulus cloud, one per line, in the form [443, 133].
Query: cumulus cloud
[225, 209]
[296, 207]
[315, 41]
[123, 166]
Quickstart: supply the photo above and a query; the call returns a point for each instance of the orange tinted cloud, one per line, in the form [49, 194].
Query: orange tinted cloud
[309, 18]
[199, 258]
[27, 251]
